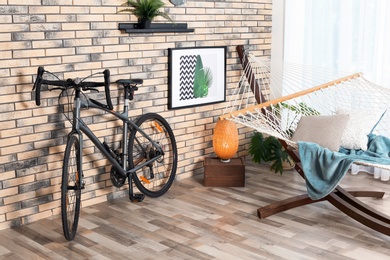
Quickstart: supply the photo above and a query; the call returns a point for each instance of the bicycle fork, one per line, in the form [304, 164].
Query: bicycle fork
[81, 181]
[76, 126]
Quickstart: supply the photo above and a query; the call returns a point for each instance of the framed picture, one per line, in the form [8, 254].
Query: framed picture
[197, 76]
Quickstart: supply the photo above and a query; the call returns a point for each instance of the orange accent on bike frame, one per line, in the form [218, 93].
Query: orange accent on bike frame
[159, 128]
[144, 179]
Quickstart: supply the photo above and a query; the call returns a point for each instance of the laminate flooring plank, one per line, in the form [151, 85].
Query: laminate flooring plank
[365, 253]
[4, 251]
[137, 232]
[174, 229]
[215, 252]
[238, 252]
[10, 241]
[112, 249]
[334, 253]
[52, 230]
[115, 234]
[186, 250]
[39, 251]
[195, 222]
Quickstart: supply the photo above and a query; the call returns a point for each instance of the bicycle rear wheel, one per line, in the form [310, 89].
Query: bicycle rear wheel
[156, 178]
[71, 188]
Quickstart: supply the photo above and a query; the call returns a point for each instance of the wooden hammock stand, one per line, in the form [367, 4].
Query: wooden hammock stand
[345, 201]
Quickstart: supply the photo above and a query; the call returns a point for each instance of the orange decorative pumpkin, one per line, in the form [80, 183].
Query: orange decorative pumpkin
[225, 139]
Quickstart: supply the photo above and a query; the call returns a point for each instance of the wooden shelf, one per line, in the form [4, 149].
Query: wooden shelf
[155, 28]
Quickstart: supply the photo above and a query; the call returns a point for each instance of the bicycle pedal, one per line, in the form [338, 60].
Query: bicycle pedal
[136, 197]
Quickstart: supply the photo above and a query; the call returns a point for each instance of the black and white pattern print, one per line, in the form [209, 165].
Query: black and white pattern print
[187, 73]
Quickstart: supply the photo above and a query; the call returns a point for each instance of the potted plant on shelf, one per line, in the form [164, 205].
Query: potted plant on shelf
[146, 11]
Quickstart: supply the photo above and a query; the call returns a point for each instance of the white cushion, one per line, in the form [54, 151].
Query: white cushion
[323, 130]
[360, 125]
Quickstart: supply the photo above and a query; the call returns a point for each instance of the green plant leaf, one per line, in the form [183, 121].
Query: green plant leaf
[300, 109]
[146, 9]
[280, 156]
[257, 149]
[203, 79]
[268, 149]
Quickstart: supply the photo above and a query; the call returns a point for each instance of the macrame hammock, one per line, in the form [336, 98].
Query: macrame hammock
[274, 104]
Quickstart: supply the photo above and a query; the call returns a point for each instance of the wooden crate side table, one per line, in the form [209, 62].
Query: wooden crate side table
[219, 174]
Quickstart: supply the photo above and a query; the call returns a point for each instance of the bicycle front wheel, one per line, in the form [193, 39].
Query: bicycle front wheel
[155, 178]
[71, 188]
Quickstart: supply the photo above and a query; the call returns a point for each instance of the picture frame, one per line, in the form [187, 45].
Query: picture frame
[197, 76]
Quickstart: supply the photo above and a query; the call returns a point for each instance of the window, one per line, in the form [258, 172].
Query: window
[346, 35]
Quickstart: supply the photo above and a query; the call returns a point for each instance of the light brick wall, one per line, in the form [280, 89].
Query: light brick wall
[76, 38]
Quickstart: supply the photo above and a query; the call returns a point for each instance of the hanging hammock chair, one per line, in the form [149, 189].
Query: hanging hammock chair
[325, 120]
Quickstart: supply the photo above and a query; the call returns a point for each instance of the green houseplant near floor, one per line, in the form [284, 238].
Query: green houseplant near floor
[146, 11]
[269, 149]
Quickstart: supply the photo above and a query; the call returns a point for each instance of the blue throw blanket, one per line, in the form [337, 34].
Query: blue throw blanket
[324, 169]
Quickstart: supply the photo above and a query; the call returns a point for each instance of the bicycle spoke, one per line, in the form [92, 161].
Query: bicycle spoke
[159, 173]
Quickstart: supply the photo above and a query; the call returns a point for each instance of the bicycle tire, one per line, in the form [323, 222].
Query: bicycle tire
[71, 188]
[161, 173]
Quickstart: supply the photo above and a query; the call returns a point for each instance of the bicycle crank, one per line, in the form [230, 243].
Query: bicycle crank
[116, 179]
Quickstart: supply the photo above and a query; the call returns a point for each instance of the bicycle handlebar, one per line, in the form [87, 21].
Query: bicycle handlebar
[84, 85]
[107, 88]
[37, 86]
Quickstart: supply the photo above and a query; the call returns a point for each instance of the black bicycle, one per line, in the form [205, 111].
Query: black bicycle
[148, 155]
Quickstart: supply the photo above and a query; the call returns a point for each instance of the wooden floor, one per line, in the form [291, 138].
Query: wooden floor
[195, 222]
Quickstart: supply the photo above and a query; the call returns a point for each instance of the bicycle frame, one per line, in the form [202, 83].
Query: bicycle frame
[79, 127]
[150, 157]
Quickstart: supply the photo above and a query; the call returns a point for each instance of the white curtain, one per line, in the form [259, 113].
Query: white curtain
[346, 35]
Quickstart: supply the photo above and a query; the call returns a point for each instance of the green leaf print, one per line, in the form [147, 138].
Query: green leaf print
[203, 79]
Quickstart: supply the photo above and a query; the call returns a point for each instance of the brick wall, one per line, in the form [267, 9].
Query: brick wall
[78, 37]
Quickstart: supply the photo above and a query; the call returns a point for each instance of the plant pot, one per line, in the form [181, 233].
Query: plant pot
[144, 23]
[287, 166]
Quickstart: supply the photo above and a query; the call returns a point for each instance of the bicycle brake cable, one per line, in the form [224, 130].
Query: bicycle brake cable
[82, 93]
[63, 90]
[94, 74]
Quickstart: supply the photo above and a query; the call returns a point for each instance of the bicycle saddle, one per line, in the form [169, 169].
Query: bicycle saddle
[129, 81]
